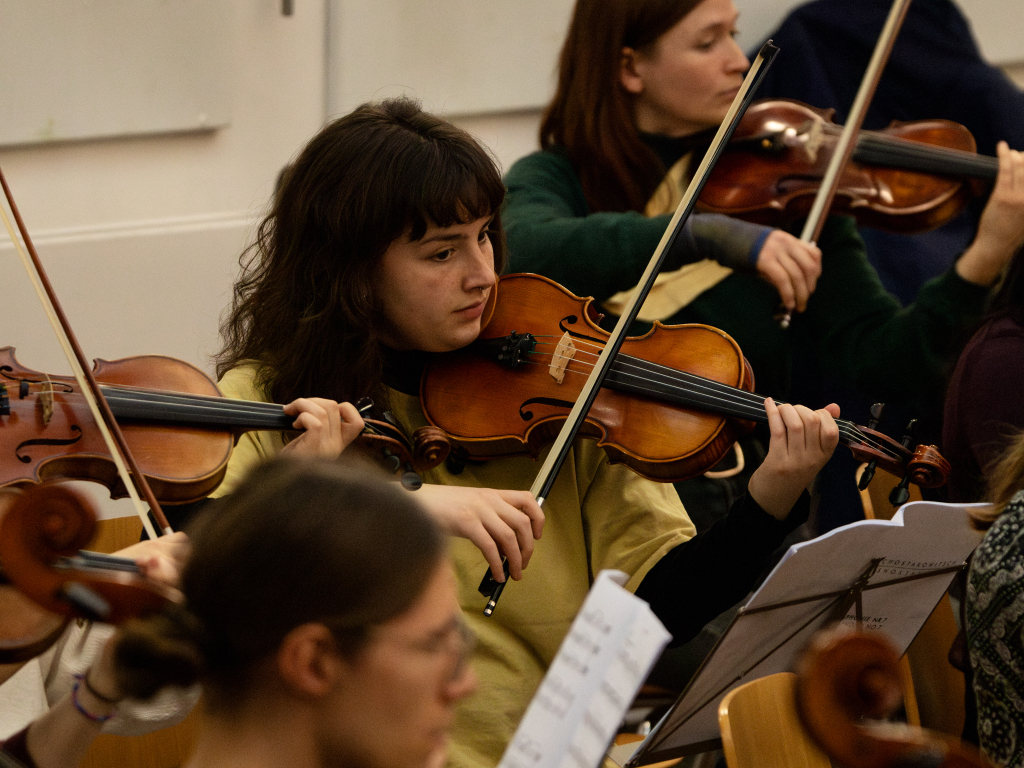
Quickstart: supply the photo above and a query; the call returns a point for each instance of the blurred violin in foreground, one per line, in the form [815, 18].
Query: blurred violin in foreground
[42, 532]
[846, 684]
[909, 178]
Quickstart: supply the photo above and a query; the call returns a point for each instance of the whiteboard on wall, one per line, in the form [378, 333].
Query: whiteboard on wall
[459, 57]
[75, 69]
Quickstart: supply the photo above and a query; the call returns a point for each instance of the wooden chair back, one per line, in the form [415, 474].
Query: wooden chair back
[934, 689]
[761, 728]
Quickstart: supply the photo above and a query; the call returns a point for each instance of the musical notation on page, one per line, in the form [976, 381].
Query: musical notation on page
[608, 652]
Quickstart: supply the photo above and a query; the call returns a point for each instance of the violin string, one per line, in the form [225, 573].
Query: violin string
[723, 393]
[197, 404]
[124, 393]
[755, 411]
[963, 160]
[715, 393]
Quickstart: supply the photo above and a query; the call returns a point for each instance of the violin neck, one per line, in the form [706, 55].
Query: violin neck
[195, 410]
[894, 152]
[636, 376]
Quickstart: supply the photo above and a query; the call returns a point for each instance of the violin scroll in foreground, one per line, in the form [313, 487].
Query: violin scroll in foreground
[42, 530]
[846, 683]
[673, 404]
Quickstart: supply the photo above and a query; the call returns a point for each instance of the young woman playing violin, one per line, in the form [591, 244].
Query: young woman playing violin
[639, 82]
[381, 252]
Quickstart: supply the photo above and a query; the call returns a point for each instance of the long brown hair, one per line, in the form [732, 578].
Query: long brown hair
[591, 114]
[305, 307]
[300, 541]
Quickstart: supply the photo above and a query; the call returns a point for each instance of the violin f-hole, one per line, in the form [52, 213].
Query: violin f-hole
[25, 459]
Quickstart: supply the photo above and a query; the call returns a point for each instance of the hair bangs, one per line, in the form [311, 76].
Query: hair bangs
[459, 186]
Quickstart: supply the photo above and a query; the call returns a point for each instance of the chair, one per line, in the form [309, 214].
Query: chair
[166, 748]
[761, 729]
[934, 690]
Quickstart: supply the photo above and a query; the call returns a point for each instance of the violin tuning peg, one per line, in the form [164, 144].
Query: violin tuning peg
[5, 403]
[900, 494]
[868, 475]
[391, 461]
[909, 433]
[364, 405]
[410, 480]
[876, 415]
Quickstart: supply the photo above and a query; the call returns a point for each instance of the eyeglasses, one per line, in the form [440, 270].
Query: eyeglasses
[456, 644]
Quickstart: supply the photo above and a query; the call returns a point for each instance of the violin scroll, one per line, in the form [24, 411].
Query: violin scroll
[928, 468]
[46, 525]
[430, 447]
[846, 682]
[924, 466]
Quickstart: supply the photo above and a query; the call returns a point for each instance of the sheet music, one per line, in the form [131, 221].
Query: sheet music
[611, 646]
[922, 538]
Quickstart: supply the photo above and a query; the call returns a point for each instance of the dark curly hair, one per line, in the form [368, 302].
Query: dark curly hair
[305, 307]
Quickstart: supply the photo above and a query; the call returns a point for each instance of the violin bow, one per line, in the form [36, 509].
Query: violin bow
[105, 421]
[560, 449]
[847, 144]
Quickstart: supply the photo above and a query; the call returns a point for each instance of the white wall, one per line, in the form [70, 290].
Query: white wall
[141, 236]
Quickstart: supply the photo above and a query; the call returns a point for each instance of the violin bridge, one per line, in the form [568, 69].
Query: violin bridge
[813, 142]
[564, 352]
[45, 400]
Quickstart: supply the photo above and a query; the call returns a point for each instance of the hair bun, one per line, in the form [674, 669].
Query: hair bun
[160, 650]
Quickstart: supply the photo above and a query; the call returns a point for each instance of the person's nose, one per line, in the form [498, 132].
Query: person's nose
[463, 684]
[480, 273]
[737, 60]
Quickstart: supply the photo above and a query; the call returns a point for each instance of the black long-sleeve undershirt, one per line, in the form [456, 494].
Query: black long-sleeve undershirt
[711, 572]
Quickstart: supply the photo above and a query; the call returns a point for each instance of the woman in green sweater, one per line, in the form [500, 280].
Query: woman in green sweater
[639, 81]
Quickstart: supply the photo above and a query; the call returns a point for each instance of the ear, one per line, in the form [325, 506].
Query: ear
[308, 660]
[629, 77]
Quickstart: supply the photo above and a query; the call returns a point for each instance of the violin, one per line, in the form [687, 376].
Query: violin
[909, 178]
[174, 418]
[42, 530]
[671, 406]
[847, 682]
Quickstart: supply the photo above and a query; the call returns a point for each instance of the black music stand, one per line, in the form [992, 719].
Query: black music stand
[890, 573]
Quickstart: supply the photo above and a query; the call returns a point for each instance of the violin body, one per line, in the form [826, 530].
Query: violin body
[911, 177]
[673, 403]
[488, 410]
[42, 440]
[177, 424]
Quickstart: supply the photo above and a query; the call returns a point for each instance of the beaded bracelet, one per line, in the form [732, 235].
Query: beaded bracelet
[96, 694]
[78, 705]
